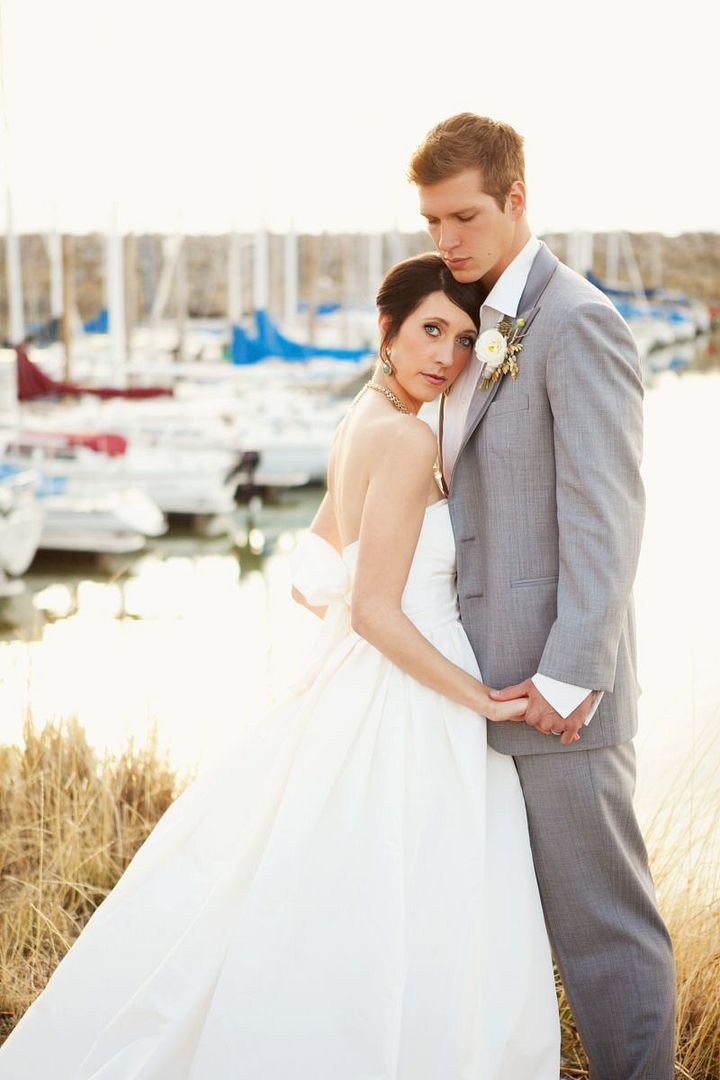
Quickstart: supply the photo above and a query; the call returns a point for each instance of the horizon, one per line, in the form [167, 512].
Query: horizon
[357, 232]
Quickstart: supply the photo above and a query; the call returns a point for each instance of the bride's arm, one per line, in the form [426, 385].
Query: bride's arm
[391, 520]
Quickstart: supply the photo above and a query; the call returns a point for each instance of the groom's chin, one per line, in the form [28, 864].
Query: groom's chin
[465, 275]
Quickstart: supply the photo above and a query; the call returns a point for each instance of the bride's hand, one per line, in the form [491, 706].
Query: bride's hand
[499, 711]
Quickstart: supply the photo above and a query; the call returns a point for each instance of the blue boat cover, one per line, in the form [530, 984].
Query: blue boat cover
[668, 305]
[668, 296]
[269, 341]
[99, 325]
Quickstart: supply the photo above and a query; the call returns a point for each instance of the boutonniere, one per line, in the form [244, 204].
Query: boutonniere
[498, 350]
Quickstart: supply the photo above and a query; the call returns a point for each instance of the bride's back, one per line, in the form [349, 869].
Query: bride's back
[363, 448]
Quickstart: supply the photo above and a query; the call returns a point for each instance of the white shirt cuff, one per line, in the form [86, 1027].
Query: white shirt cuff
[565, 697]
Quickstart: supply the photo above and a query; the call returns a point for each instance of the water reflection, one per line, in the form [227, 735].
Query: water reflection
[193, 637]
[197, 636]
[678, 585]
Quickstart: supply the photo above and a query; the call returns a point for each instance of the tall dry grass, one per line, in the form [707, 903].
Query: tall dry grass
[70, 823]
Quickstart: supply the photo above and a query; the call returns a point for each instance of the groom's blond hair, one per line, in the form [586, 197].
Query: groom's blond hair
[467, 141]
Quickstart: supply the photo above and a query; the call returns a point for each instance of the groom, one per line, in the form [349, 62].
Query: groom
[547, 506]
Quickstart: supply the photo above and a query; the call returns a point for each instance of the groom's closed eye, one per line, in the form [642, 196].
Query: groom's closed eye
[464, 217]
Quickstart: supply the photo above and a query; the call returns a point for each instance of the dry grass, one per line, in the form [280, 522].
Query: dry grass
[70, 823]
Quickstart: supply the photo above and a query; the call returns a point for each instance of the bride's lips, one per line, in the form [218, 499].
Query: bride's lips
[434, 380]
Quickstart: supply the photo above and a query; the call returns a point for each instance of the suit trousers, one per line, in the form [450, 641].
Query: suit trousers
[610, 943]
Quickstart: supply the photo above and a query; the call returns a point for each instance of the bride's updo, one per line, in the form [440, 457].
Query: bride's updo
[406, 285]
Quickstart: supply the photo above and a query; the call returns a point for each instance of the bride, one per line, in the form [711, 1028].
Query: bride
[350, 894]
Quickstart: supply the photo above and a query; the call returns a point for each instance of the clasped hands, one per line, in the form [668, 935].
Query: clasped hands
[539, 714]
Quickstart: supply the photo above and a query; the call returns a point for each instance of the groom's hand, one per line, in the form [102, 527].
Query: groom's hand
[541, 715]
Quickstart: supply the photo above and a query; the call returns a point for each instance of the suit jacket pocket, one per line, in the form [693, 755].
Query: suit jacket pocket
[507, 423]
[526, 583]
[508, 403]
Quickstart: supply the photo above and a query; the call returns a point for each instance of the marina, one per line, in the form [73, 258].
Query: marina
[126, 423]
[204, 632]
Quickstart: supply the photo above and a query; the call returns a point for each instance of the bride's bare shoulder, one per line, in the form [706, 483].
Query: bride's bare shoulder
[386, 429]
[411, 434]
[403, 445]
[384, 442]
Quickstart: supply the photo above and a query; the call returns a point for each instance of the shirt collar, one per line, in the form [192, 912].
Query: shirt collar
[504, 297]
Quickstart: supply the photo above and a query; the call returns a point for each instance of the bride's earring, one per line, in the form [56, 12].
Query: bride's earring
[386, 365]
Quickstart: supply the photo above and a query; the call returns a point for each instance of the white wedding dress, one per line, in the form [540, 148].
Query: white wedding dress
[349, 895]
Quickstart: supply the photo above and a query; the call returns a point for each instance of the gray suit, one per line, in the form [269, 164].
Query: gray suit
[547, 507]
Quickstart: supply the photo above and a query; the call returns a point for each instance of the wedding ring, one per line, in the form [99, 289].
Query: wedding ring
[556, 732]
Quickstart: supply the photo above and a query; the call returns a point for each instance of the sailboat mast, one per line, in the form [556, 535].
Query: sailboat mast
[261, 270]
[16, 319]
[115, 288]
[290, 267]
[67, 302]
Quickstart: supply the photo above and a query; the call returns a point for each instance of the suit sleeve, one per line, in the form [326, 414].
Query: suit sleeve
[595, 391]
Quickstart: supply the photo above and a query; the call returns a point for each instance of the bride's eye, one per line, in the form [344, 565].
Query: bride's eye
[432, 329]
[466, 342]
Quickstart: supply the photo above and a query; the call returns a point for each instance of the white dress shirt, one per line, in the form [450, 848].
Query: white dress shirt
[503, 299]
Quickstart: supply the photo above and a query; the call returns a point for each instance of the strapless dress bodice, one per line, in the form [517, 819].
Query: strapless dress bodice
[430, 600]
[430, 596]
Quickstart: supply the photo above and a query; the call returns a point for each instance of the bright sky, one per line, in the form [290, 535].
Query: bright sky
[214, 114]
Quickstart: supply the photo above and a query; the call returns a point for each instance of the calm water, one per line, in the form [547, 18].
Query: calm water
[197, 636]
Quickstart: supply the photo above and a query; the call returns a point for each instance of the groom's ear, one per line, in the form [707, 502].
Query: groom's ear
[517, 199]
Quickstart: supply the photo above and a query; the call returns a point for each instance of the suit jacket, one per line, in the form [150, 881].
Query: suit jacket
[547, 506]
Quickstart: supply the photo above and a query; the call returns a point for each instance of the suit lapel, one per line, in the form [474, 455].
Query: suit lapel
[479, 403]
[542, 269]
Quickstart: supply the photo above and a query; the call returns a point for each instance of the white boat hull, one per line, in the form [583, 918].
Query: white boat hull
[85, 539]
[20, 533]
[21, 519]
[177, 482]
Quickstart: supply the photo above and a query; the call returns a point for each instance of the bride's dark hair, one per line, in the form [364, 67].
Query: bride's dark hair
[406, 285]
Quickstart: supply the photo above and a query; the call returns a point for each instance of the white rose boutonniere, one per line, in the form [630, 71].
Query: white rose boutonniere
[491, 347]
[497, 349]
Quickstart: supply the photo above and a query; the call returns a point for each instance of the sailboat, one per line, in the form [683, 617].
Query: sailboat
[21, 524]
